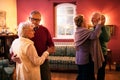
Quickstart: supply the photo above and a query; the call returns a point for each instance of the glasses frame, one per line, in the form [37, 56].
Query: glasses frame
[34, 19]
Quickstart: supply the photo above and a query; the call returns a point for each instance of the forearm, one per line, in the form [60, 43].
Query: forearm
[96, 33]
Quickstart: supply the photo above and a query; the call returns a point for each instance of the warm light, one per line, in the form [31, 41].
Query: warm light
[107, 19]
[42, 21]
[107, 16]
[90, 23]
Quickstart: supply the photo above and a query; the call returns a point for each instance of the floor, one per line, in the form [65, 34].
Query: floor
[110, 75]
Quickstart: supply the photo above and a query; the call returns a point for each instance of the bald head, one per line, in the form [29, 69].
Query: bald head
[95, 18]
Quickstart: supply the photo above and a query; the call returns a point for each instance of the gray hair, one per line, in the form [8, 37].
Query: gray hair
[22, 27]
[35, 12]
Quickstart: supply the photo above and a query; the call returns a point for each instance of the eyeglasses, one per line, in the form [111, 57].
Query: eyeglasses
[34, 19]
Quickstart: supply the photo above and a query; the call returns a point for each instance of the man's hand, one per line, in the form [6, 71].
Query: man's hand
[16, 59]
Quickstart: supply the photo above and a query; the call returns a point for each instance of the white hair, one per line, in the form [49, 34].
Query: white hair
[22, 27]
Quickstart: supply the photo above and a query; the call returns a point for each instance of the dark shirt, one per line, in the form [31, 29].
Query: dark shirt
[104, 38]
[42, 39]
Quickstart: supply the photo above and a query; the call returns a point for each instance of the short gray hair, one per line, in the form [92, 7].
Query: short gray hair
[22, 27]
[35, 12]
[96, 15]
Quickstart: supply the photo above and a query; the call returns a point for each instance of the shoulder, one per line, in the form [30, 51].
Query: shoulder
[43, 28]
[105, 28]
[82, 29]
[16, 40]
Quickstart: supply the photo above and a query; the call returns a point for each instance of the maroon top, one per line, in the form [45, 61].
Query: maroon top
[42, 39]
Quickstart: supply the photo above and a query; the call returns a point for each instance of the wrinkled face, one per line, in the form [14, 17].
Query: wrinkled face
[95, 20]
[35, 19]
[30, 32]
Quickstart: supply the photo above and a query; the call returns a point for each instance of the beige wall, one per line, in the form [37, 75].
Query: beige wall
[11, 13]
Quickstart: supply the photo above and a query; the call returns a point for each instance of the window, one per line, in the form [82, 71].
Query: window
[65, 14]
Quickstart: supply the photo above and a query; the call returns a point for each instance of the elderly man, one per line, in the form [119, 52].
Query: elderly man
[42, 41]
[104, 38]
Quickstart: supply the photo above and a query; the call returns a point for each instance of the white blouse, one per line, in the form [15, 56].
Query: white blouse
[29, 69]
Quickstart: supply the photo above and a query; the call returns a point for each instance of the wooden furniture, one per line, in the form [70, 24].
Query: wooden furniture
[109, 58]
[5, 67]
[5, 43]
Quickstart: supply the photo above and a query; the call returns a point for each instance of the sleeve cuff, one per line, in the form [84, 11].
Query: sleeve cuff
[47, 52]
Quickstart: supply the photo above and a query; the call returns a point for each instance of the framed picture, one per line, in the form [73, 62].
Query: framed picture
[2, 18]
[112, 29]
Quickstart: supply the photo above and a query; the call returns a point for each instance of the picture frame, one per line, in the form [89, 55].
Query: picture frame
[2, 19]
[112, 29]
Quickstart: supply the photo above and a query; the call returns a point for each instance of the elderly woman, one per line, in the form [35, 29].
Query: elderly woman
[83, 42]
[22, 47]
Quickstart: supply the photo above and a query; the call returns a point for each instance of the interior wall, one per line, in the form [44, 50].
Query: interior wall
[46, 8]
[110, 8]
[86, 7]
[11, 13]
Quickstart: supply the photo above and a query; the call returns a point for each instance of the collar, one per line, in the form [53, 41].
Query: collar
[36, 28]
